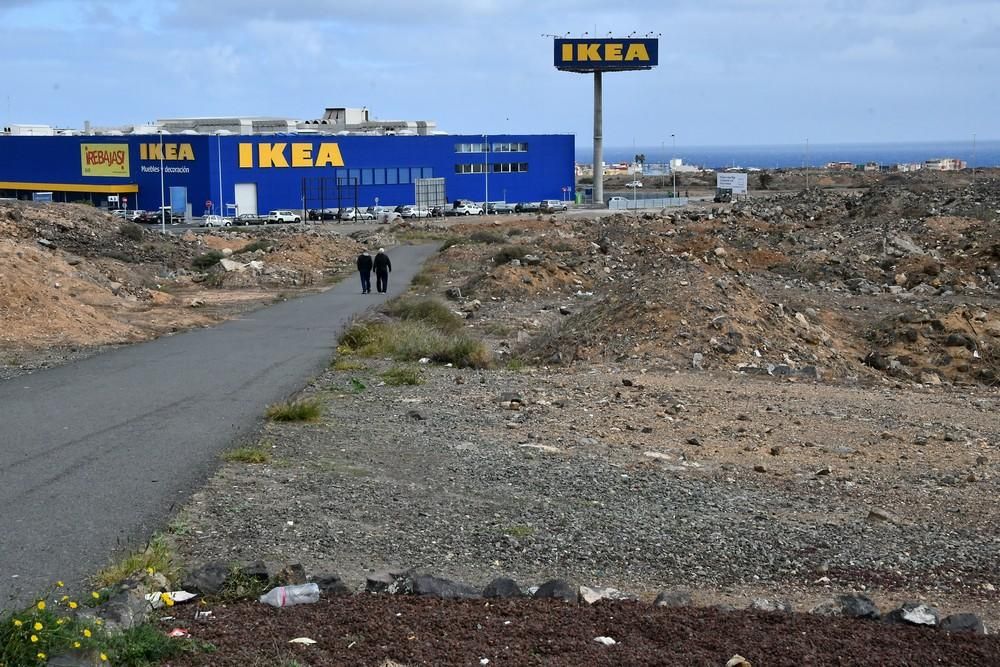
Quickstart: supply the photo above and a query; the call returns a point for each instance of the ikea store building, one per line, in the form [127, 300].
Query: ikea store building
[237, 165]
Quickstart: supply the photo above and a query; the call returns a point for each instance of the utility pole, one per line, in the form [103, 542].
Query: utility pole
[973, 157]
[163, 196]
[673, 174]
[806, 164]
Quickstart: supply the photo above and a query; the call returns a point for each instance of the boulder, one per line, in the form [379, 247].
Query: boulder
[763, 604]
[209, 579]
[913, 613]
[849, 606]
[428, 586]
[558, 589]
[673, 599]
[502, 587]
[592, 594]
[963, 623]
[331, 584]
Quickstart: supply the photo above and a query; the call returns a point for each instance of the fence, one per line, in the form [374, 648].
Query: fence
[621, 204]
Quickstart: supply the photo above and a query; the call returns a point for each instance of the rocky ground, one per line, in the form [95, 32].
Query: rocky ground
[787, 399]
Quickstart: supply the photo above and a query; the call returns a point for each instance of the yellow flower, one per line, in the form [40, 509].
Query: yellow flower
[72, 605]
[86, 632]
[41, 656]
[150, 570]
[104, 657]
[95, 595]
[60, 584]
[76, 644]
[166, 599]
[98, 622]
[60, 621]
[18, 623]
[34, 639]
[38, 626]
[64, 598]
[41, 605]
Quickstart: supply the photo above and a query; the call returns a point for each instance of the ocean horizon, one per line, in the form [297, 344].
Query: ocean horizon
[986, 153]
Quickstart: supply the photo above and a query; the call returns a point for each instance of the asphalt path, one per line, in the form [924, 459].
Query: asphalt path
[95, 455]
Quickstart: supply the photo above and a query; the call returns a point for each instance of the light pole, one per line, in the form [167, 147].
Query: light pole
[163, 196]
[486, 174]
[673, 174]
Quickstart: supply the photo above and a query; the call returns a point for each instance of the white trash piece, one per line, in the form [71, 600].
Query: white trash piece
[607, 641]
[286, 596]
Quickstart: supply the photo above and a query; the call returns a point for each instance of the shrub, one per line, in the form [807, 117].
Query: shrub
[259, 244]
[206, 260]
[509, 252]
[303, 410]
[398, 376]
[486, 236]
[431, 311]
[131, 231]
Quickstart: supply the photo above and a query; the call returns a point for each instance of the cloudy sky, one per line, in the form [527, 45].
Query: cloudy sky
[731, 71]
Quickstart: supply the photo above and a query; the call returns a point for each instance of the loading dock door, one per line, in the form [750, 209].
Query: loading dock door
[246, 198]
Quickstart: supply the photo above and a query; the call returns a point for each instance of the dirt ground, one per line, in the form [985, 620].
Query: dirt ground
[787, 398]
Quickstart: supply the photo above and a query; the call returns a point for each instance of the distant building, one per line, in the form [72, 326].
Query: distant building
[872, 166]
[911, 166]
[840, 166]
[945, 164]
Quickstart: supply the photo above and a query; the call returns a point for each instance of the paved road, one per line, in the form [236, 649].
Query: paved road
[95, 455]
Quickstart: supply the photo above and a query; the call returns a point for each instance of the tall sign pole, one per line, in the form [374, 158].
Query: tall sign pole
[598, 56]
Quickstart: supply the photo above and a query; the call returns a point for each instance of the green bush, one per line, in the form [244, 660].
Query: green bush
[131, 231]
[431, 311]
[259, 244]
[509, 252]
[207, 260]
[398, 376]
[412, 340]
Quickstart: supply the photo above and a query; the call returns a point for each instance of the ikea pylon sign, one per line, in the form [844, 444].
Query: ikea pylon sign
[606, 55]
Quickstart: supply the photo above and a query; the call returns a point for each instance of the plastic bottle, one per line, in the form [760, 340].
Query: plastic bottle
[286, 596]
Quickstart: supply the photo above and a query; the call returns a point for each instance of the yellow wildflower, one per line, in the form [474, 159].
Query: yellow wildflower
[72, 605]
[150, 570]
[76, 644]
[95, 595]
[166, 599]
[104, 657]
[60, 621]
[41, 605]
[38, 626]
[18, 623]
[86, 632]
[34, 639]
[41, 656]
[60, 584]
[98, 622]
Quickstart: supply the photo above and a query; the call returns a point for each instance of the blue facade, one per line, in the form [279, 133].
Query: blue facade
[293, 171]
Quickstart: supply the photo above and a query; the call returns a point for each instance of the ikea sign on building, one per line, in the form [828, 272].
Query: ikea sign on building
[606, 55]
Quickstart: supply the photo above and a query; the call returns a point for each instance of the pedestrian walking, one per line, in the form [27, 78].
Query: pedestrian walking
[365, 269]
[382, 269]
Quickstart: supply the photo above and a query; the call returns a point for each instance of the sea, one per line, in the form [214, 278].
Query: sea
[982, 154]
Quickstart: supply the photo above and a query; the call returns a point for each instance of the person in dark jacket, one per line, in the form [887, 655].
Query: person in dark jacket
[382, 268]
[365, 269]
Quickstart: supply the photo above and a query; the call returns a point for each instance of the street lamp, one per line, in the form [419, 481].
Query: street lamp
[673, 172]
[163, 197]
[486, 174]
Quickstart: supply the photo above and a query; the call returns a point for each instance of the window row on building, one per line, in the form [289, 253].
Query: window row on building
[507, 147]
[382, 176]
[495, 167]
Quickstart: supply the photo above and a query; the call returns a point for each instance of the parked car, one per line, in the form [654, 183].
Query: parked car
[438, 211]
[147, 218]
[249, 219]
[528, 207]
[553, 205]
[414, 212]
[634, 184]
[217, 221]
[466, 207]
[283, 215]
[364, 215]
[500, 208]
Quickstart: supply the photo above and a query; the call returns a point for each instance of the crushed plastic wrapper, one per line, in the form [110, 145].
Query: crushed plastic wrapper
[302, 640]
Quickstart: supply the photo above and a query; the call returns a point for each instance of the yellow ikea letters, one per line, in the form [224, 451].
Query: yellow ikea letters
[283, 155]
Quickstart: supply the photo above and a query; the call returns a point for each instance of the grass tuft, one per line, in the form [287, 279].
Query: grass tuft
[247, 455]
[423, 309]
[509, 252]
[487, 236]
[302, 410]
[398, 376]
[157, 556]
[259, 244]
[342, 364]
[206, 260]
[413, 340]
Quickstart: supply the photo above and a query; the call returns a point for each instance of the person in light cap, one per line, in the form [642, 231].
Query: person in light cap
[382, 268]
[365, 269]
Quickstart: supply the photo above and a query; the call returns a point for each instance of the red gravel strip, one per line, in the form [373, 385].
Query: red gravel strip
[369, 630]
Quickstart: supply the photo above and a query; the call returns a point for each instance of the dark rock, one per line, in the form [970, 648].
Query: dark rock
[208, 579]
[849, 606]
[961, 340]
[47, 243]
[258, 570]
[913, 613]
[673, 599]
[694, 441]
[558, 589]
[331, 584]
[379, 582]
[877, 360]
[563, 310]
[502, 587]
[125, 610]
[963, 623]
[453, 293]
[415, 415]
[429, 586]
[78, 658]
